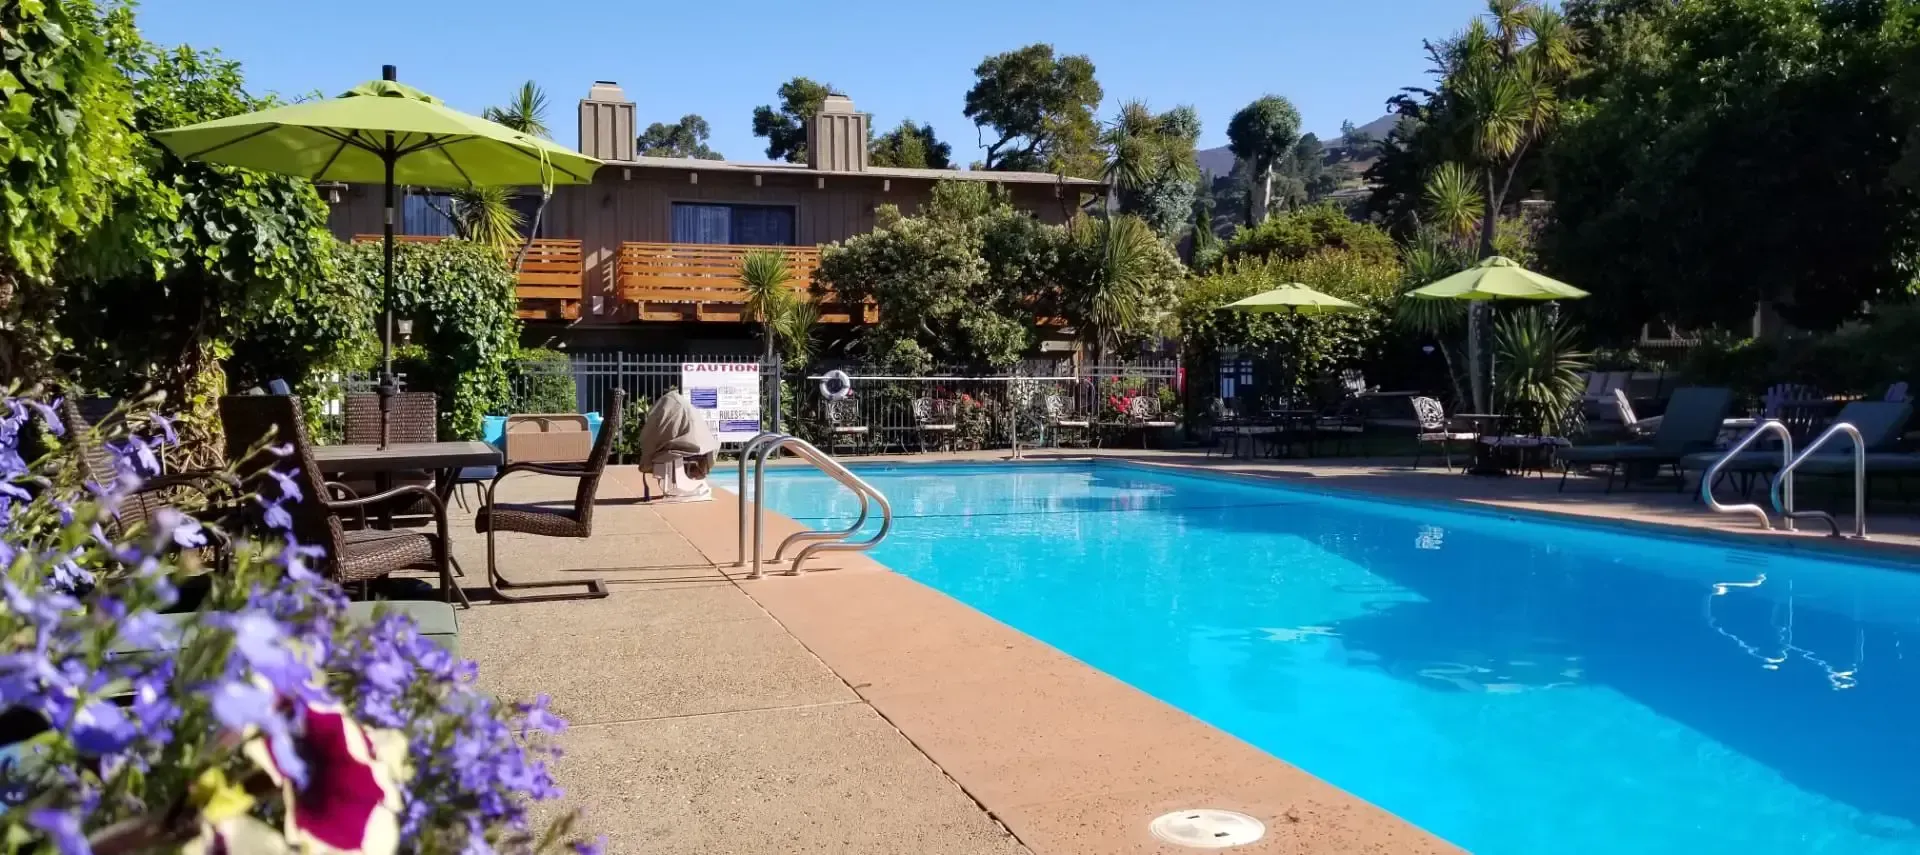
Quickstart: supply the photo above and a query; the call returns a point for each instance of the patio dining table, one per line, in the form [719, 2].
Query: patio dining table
[443, 459]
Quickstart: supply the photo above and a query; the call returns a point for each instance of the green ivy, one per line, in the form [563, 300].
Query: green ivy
[68, 147]
[460, 297]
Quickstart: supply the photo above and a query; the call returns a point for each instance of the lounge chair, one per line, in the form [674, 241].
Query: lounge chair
[1880, 423]
[1691, 424]
[547, 520]
[1437, 429]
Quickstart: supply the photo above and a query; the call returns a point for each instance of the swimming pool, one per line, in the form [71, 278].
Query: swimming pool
[1512, 685]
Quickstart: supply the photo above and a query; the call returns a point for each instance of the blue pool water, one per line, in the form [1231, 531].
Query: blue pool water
[1512, 685]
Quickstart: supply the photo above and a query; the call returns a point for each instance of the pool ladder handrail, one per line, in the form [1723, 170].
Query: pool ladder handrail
[1859, 483]
[755, 453]
[1786, 458]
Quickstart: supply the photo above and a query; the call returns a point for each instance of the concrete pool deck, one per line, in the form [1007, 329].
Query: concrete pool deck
[853, 710]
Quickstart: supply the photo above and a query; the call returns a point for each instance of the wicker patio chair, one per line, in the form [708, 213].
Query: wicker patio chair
[356, 555]
[96, 465]
[414, 417]
[547, 521]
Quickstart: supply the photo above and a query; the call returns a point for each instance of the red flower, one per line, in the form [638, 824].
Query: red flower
[351, 802]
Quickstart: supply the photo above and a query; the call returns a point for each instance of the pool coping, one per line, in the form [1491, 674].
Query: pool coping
[1066, 757]
[1892, 556]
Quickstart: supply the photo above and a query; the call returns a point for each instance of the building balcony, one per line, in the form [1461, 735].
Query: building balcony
[701, 282]
[548, 286]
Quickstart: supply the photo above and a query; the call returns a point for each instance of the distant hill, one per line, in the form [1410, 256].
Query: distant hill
[1219, 161]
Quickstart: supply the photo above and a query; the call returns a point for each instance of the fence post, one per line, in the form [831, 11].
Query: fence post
[774, 396]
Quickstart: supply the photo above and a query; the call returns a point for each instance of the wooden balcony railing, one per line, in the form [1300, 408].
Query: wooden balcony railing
[701, 282]
[549, 281]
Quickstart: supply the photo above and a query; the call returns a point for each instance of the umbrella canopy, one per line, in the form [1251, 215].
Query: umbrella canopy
[382, 132]
[353, 137]
[1498, 278]
[1293, 297]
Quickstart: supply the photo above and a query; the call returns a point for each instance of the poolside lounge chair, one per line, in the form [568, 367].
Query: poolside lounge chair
[1880, 423]
[1691, 423]
[1634, 425]
[1436, 428]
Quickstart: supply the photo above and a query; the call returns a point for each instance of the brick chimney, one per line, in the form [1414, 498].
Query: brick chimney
[606, 122]
[837, 137]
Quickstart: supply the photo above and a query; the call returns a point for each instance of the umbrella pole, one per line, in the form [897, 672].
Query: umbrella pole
[387, 385]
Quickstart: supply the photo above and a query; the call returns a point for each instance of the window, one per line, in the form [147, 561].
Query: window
[422, 214]
[767, 225]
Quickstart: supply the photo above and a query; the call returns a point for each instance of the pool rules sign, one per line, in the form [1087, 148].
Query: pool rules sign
[727, 395]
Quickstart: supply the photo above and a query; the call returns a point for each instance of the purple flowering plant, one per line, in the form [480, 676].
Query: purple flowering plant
[263, 720]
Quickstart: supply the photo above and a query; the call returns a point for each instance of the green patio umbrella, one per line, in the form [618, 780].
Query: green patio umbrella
[1498, 278]
[1495, 278]
[1293, 298]
[381, 132]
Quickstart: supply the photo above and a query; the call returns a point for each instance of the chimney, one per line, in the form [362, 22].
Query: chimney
[606, 122]
[837, 137]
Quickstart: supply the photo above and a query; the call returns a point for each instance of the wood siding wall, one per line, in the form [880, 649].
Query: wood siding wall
[616, 209]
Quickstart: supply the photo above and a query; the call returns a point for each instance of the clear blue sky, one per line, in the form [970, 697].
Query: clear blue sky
[1334, 60]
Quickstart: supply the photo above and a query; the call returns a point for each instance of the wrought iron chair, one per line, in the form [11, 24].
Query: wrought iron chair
[1435, 428]
[352, 555]
[1061, 418]
[844, 425]
[935, 419]
[540, 519]
[1144, 412]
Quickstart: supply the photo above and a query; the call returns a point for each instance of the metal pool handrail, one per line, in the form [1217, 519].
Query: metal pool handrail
[1786, 460]
[754, 454]
[1859, 482]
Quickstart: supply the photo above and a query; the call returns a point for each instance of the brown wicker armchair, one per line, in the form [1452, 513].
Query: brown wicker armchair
[358, 555]
[575, 521]
[414, 417]
[96, 464]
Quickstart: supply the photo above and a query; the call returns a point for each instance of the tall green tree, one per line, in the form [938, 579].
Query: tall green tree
[785, 126]
[911, 146]
[69, 145]
[1039, 111]
[684, 138]
[1151, 165]
[764, 275]
[1117, 281]
[233, 244]
[1716, 155]
[1261, 135]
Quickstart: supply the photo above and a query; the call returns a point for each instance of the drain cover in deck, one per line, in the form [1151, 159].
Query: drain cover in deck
[1207, 828]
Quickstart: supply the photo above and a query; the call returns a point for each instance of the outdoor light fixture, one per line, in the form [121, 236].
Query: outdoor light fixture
[404, 329]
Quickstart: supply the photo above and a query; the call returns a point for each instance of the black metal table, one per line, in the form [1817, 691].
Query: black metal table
[1487, 459]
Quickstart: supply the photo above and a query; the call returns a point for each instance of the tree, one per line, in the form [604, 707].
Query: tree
[1303, 176]
[1716, 155]
[1311, 230]
[786, 127]
[685, 138]
[232, 245]
[1262, 134]
[764, 275]
[911, 146]
[69, 144]
[1151, 165]
[1118, 278]
[1040, 110]
[525, 112]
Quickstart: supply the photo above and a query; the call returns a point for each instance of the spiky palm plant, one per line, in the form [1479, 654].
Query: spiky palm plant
[525, 112]
[1114, 301]
[799, 329]
[1452, 203]
[486, 216]
[1426, 261]
[765, 275]
[1539, 368]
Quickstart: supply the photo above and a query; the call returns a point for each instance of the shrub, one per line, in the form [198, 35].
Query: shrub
[1310, 231]
[265, 703]
[541, 382]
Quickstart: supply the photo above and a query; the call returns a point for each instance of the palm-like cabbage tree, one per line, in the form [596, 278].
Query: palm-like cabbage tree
[486, 214]
[799, 329]
[765, 275]
[1121, 278]
[1540, 366]
[1261, 135]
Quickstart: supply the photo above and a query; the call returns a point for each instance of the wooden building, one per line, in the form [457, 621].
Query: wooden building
[646, 255]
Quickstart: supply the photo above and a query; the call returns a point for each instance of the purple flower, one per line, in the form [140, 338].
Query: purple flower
[63, 828]
[276, 516]
[289, 485]
[48, 416]
[166, 428]
[133, 456]
[284, 449]
[595, 846]
[101, 727]
[185, 531]
[241, 706]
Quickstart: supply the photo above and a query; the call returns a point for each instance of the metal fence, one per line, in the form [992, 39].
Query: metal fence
[1037, 403]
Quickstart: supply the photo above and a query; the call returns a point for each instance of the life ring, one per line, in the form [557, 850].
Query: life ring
[835, 385]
